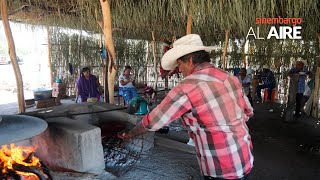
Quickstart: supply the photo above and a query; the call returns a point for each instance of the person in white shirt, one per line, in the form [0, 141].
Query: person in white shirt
[245, 80]
[126, 88]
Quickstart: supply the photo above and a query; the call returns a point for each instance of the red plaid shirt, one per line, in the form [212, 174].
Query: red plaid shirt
[214, 111]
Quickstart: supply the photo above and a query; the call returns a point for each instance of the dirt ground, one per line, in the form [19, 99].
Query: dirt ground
[282, 151]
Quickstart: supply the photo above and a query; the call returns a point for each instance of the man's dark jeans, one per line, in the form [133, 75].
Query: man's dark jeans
[270, 87]
[299, 103]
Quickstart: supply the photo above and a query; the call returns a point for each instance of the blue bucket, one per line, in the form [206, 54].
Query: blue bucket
[143, 108]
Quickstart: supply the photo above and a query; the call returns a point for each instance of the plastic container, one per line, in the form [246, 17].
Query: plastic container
[274, 95]
[143, 108]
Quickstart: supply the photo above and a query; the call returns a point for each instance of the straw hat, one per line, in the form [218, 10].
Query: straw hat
[302, 60]
[183, 46]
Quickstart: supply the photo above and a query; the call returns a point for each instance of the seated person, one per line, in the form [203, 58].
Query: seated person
[150, 93]
[88, 87]
[268, 81]
[126, 88]
[245, 81]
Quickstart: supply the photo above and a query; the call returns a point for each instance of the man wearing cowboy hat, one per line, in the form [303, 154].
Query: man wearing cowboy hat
[302, 72]
[213, 109]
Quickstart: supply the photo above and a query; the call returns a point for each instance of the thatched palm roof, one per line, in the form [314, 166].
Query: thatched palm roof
[138, 18]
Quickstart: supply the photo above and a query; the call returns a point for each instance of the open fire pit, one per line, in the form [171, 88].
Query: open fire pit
[119, 155]
[19, 162]
[83, 138]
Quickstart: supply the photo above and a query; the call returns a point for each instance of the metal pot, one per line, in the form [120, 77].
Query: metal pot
[42, 93]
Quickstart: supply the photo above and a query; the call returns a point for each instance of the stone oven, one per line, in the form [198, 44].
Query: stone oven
[80, 138]
[17, 159]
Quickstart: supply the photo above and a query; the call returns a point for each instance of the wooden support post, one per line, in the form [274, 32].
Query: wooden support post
[243, 55]
[13, 56]
[49, 56]
[225, 50]
[189, 22]
[105, 79]
[107, 30]
[293, 86]
[315, 103]
[147, 64]
[154, 62]
[318, 34]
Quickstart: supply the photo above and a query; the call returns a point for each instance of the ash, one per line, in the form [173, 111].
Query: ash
[119, 155]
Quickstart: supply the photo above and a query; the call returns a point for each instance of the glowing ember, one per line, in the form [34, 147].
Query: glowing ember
[15, 159]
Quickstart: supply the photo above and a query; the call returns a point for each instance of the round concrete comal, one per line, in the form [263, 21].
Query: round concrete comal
[15, 128]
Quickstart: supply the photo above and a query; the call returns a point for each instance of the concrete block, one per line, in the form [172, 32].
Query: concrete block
[68, 144]
[92, 119]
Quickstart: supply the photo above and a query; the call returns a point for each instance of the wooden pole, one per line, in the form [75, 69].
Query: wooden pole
[224, 60]
[13, 56]
[189, 22]
[107, 30]
[154, 62]
[293, 87]
[49, 56]
[105, 79]
[147, 64]
[318, 38]
[244, 62]
[315, 105]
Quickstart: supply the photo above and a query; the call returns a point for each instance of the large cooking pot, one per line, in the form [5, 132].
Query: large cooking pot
[42, 93]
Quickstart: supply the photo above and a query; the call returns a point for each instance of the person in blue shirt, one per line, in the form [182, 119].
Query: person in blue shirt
[267, 80]
[301, 71]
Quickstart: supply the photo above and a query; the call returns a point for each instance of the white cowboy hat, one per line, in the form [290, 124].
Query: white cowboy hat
[185, 45]
[265, 67]
[303, 61]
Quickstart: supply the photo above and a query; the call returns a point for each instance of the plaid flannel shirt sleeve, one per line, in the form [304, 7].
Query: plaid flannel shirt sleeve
[244, 101]
[173, 106]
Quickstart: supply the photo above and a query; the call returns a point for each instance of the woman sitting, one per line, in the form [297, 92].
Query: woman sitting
[126, 88]
[88, 87]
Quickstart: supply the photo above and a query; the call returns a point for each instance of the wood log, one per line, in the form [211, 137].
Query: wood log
[13, 56]
[107, 30]
[30, 169]
[46, 170]
[168, 143]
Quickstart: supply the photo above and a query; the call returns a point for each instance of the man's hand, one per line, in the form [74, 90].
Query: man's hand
[124, 135]
[136, 131]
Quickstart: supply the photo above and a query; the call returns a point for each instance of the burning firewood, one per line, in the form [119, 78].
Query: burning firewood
[20, 163]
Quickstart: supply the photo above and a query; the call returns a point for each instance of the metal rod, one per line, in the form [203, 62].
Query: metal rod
[83, 113]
